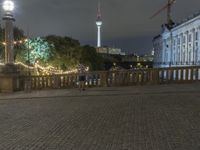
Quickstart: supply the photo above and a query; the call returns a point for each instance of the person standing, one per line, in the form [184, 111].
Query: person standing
[82, 76]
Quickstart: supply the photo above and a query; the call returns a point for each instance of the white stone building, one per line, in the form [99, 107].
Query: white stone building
[178, 45]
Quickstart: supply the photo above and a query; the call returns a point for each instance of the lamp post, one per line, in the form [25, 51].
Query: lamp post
[9, 76]
[8, 7]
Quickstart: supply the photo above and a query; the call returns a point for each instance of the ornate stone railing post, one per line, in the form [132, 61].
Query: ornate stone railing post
[104, 78]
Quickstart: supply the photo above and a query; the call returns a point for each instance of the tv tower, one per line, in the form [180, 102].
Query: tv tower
[99, 24]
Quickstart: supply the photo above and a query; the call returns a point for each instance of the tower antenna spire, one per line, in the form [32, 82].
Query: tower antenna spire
[99, 24]
[99, 11]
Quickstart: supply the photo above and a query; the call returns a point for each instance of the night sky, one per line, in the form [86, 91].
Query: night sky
[126, 23]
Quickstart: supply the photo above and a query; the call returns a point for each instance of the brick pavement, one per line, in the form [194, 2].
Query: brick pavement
[122, 118]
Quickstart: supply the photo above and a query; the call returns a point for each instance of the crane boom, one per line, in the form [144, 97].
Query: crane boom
[159, 11]
[168, 7]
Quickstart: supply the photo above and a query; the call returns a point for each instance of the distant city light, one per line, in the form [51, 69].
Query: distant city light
[8, 5]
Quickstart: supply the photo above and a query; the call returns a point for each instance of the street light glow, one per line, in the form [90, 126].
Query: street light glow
[8, 5]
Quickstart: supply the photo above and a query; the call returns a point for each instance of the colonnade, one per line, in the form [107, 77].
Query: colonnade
[182, 48]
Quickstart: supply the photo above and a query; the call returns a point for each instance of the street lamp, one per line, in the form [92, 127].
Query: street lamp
[8, 7]
[10, 76]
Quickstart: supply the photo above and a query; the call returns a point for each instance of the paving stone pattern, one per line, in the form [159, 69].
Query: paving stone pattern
[134, 121]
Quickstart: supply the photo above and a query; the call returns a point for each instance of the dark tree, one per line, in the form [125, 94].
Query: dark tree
[90, 57]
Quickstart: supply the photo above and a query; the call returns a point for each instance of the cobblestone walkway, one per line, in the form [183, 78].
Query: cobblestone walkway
[125, 118]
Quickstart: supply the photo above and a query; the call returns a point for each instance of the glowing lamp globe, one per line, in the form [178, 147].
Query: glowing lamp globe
[8, 5]
[99, 23]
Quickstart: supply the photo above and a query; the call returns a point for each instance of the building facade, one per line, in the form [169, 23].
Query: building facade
[110, 51]
[178, 45]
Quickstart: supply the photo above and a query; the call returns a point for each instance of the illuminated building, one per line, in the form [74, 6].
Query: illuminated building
[178, 45]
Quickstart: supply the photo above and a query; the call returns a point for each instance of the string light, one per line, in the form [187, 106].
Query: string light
[24, 65]
[16, 42]
[45, 70]
[49, 69]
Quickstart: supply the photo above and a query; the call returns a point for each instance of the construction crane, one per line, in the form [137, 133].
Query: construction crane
[168, 6]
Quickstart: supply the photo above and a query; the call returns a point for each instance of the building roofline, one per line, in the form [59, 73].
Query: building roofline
[191, 17]
[156, 37]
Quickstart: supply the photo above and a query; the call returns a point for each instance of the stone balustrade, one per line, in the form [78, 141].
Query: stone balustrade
[117, 78]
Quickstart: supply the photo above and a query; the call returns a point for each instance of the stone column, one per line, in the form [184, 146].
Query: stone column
[163, 52]
[186, 48]
[194, 46]
[198, 46]
[181, 49]
[9, 75]
[175, 50]
[9, 39]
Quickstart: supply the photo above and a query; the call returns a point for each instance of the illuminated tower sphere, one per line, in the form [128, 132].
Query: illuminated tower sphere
[8, 7]
[99, 24]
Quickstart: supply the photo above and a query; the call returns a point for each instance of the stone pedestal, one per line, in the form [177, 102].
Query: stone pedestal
[9, 78]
